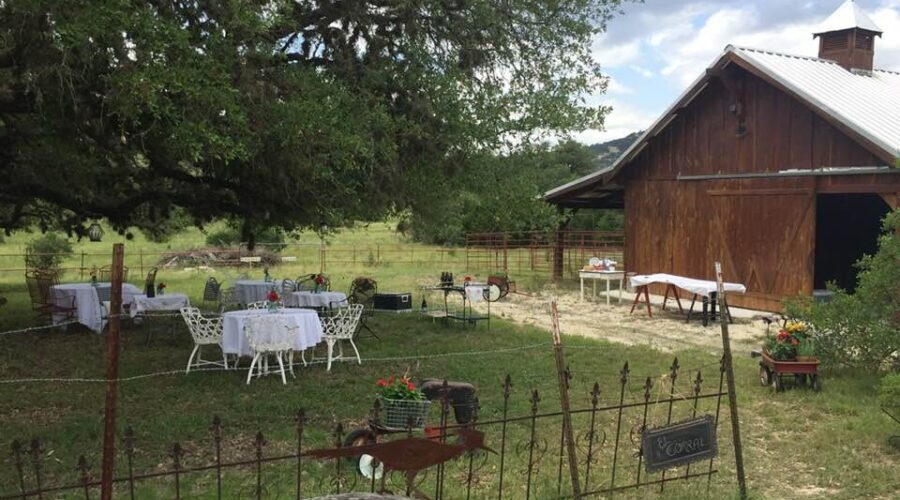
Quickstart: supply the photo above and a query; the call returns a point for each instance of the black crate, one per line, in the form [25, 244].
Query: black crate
[393, 302]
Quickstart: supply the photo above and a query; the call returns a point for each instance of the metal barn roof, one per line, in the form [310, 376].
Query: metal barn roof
[848, 16]
[866, 102]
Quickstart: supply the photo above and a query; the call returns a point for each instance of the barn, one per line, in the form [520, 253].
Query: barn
[779, 166]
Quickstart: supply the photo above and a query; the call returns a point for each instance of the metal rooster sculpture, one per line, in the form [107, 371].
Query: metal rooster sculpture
[411, 455]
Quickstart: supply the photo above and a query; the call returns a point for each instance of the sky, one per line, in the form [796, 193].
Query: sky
[656, 49]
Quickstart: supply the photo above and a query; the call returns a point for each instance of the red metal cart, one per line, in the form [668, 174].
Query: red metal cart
[772, 371]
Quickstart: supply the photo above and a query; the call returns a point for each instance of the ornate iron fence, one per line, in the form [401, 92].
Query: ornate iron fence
[528, 461]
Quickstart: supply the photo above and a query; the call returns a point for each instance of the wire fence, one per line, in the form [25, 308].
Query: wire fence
[527, 460]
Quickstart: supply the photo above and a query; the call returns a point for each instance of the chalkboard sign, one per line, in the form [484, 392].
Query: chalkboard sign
[679, 444]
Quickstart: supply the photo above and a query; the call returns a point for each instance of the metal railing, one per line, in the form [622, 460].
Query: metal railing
[528, 462]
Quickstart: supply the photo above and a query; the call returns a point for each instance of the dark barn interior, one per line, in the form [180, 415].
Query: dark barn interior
[847, 227]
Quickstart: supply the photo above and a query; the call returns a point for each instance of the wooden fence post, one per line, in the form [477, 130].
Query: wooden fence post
[563, 375]
[732, 392]
[112, 374]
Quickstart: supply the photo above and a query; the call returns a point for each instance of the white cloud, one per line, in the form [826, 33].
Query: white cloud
[622, 120]
[615, 55]
[614, 87]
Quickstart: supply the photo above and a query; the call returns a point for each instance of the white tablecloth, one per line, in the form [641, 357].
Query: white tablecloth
[475, 291]
[166, 302]
[87, 301]
[247, 291]
[699, 287]
[312, 299]
[308, 330]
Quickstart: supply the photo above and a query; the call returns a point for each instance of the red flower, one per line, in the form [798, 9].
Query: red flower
[410, 386]
[382, 383]
[320, 280]
[273, 296]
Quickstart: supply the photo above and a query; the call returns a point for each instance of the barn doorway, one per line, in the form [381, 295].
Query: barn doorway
[847, 227]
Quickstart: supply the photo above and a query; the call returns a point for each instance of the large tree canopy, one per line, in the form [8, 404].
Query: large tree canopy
[276, 113]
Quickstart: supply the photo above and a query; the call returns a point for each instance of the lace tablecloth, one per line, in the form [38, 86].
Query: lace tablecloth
[304, 323]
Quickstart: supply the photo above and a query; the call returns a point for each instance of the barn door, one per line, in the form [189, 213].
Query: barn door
[765, 239]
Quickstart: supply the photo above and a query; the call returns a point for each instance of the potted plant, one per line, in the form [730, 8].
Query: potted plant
[403, 404]
[806, 350]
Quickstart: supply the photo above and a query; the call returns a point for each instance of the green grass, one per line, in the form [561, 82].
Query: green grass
[798, 444]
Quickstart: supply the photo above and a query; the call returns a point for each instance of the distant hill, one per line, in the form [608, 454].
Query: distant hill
[607, 152]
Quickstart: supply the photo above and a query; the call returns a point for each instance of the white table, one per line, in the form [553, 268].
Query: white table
[312, 299]
[87, 301]
[304, 323]
[702, 288]
[706, 289]
[606, 276]
[166, 302]
[247, 291]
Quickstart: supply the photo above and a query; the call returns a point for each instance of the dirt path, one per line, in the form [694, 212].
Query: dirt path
[666, 331]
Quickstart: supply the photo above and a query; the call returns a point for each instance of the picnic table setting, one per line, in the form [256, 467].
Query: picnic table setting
[602, 270]
[85, 298]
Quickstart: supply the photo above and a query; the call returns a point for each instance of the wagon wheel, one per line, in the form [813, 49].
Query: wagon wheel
[765, 376]
[779, 382]
[364, 464]
[815, 382]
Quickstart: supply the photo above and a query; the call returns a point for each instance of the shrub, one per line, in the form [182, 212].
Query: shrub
[889, 391]
[272, 239]
[48, 252]
[861, 329]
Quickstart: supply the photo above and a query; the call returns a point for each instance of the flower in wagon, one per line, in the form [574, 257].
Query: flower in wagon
[399, 388]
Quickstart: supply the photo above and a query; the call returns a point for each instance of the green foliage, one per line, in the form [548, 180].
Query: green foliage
[287, 114]
[48, 252]
[231, 235]
[861, 329]
[502, 193]
[807, 347]
[399, 388]
[889, 391]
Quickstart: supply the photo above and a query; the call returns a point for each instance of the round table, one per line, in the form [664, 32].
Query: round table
[315, 300]
[86, 300]
[303, 322]
[248, 291]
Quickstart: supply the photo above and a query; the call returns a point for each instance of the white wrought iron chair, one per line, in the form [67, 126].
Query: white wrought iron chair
[259, 304]
[341, 326]
[269, 335]
[205, 331]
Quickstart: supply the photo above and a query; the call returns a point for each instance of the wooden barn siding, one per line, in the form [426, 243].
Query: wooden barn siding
[764, 236]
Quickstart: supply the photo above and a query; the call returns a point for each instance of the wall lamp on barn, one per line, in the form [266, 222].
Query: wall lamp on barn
[95, 232]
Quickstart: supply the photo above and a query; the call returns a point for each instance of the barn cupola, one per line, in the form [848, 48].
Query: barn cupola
[848, 37]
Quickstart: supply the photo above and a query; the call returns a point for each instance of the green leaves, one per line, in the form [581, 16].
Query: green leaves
[281, 114]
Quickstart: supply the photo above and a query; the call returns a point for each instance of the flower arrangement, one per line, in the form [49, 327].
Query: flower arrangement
[272, 298]
[160, 288]
[467, 279]
[399, 388]
[320, 282]
[791, 341]
[405, 406]
[94, 277]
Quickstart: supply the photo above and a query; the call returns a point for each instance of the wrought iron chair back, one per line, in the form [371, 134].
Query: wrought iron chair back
[211, 290]
[203, 330]
[288, 287]
[150, 282]
[106, 273]
[259, 304]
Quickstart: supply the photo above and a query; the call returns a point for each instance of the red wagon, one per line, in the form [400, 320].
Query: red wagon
[773, 371]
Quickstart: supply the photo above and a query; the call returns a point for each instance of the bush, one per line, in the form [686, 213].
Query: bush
[861, 329]
[272, 239]
[889, 391]
[48, 252]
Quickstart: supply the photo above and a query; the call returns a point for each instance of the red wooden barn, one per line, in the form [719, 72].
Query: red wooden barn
[779, 166]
